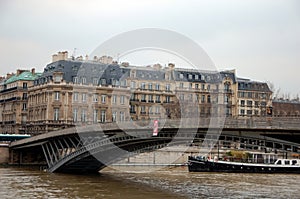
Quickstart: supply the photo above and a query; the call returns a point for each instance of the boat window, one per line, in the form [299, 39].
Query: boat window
[286, 162]
[294, 162]
[278, 162]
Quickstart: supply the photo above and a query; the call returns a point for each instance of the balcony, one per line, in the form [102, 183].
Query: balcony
[143, 100]
[151, 101]
[134, 100]
[157, 101]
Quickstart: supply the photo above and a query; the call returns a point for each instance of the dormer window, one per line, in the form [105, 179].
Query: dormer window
[83, 80]
[57, 77]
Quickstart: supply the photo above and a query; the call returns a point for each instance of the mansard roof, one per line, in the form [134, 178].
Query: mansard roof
[247, 84]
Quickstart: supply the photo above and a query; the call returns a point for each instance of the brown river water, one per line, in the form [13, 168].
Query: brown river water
[166, 183]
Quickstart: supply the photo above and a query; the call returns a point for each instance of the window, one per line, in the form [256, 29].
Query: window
[203, 99]
[132, 109]
[203, 86]
[103, 82]
[75, 80]
[208, 99]
[95, 115]
[57, 78]
[103, 99]
[181, 97]
[114, 116]
[226, 86]
[249, 94]
[208, 87]
[226, 99]
[249, 103]
[190, 85]
[286, 162]
[143, 110]
[56, 95]
[242, 103]
[114, 99]
[249, 112]
[167, 99]
[181, 76]
[157, 109]
[122, 99]
[157, 87]
[83, 97]
[83, 80]
[150, 110]
[157, 100]
[123, 83]
[196, 77]
[56, 114]
[242, 112]
[95, 81]
[196, 86]
[143, 86]
[103, 116]
[24, 107]
[279, 162]
[190, 76]
[75, 97]
[150, 98]
[181, 85]
[24, 85]
[24, 96]
[143, 98]
[95, 98]
[122, 116]
[132, 84]
[75, 114]
[241, 94]
[150, 86]
[168, 87]
[83, 115]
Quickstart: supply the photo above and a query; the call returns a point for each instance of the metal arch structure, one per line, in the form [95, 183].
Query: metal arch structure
[72, 152]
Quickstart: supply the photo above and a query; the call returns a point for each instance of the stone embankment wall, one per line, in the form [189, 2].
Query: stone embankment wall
[4, 154]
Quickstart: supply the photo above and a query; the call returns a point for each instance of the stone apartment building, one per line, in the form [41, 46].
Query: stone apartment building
[254, 98]
[13, 100]
[81, 92]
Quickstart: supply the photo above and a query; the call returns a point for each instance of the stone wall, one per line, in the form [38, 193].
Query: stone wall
[4, 154]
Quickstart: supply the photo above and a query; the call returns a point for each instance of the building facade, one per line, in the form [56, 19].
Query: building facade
[14, 101]
[254, 98]
[286, 108]
[73, 91]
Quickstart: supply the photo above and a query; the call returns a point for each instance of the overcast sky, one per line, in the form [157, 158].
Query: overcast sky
[259, 38]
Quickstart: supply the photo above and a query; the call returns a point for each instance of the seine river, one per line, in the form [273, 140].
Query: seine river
[167, 183]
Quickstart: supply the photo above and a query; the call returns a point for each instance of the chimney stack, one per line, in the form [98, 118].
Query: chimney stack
[33, 71]
[171, 66]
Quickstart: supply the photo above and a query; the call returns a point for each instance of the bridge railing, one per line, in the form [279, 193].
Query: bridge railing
[250, 123]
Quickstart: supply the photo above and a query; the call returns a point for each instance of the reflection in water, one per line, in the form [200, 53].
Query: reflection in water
[169, 183]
